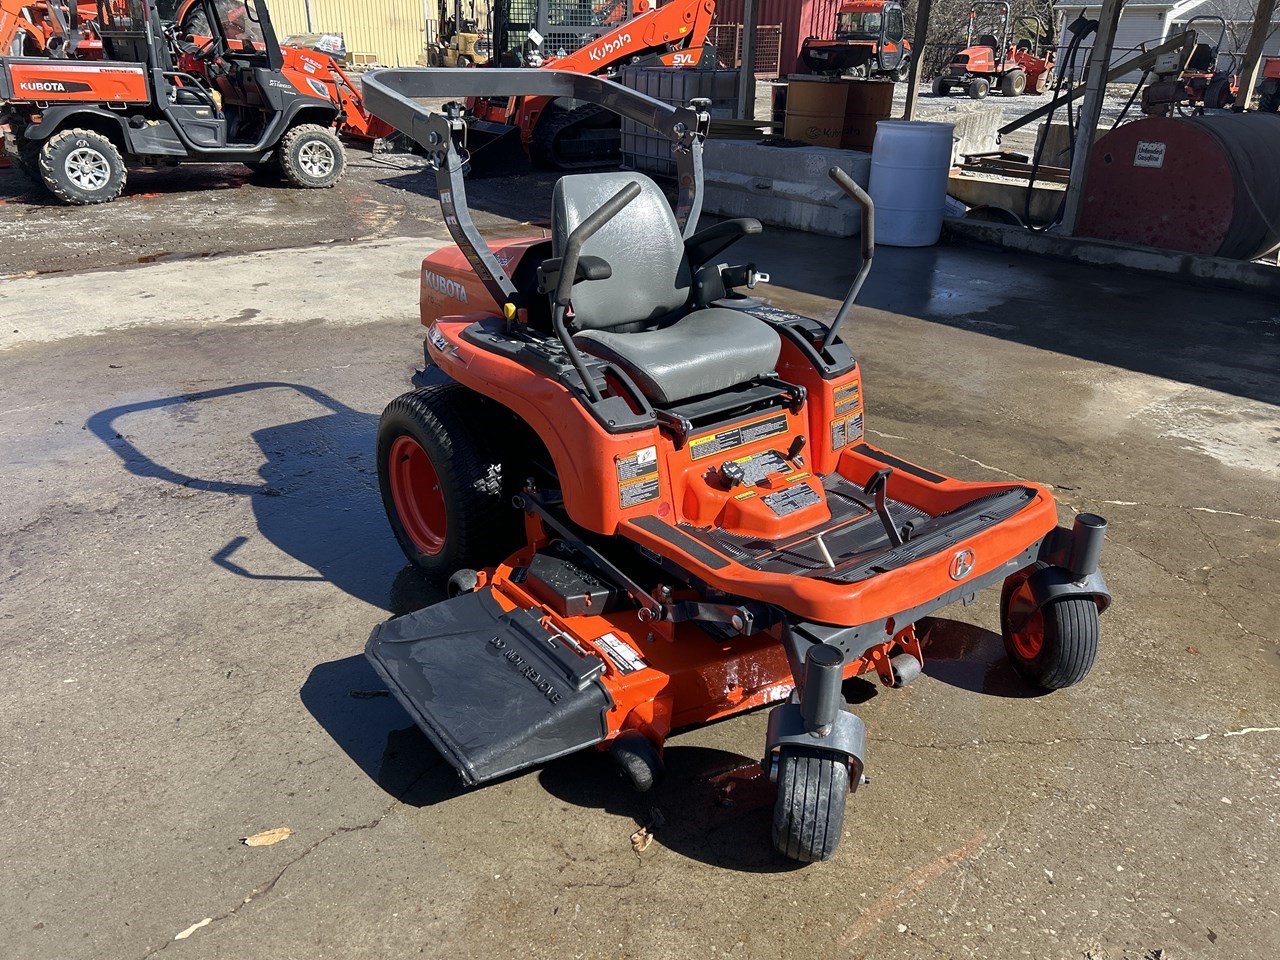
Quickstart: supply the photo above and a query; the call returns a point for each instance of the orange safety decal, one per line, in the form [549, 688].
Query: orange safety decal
[714, 443]
[638, 477]
[848, 397]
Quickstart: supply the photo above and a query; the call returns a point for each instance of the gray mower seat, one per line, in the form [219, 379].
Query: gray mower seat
[709, 350]
[670, 352]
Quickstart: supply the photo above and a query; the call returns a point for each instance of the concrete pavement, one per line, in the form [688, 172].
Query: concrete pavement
[193, 554]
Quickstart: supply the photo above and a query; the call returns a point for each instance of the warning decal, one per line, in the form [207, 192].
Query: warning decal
[638, 477]
[846, 431]
[620, 655]
[714, 443]
[791, 500]
[848, 397]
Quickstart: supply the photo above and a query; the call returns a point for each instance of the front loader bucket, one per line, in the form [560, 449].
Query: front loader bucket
[493, 690]
[494, 149]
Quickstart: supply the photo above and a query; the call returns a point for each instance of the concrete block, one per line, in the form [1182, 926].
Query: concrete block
[784, 186]
[976, 125]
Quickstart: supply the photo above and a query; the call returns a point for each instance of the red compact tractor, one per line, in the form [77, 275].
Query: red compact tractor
[869, 42]
[1012, 64]
[1201, 83]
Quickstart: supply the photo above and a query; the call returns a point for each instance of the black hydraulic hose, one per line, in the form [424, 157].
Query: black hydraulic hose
[569, 268]
[1073, 49]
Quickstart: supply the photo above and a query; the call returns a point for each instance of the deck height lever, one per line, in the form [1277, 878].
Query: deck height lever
[876, 487]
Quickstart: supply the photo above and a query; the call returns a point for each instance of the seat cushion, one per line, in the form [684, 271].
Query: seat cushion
[707, 351]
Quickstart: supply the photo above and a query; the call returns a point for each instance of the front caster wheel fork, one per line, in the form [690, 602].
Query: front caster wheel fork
[813, 751]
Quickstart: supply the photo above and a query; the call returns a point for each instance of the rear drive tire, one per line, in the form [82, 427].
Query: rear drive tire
[979, 88]
[82, 167]
[1053, 647]
[312, 157]
[441, 481]
[808, 816]
[1013, 83]
[902, 70]
[941, 88]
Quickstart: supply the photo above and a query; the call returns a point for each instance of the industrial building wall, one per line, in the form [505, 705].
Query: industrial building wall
[799, 19]
[393, 31]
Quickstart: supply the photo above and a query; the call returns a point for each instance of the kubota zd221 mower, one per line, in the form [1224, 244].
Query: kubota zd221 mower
[652, 496]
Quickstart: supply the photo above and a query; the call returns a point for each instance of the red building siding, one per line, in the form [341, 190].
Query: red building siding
[800, 19]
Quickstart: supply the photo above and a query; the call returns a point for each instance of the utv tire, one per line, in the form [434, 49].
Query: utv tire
[638, 758]
[1013, 83]
[82, 167]
[1053, 647]
[901, 71]
[441, 483]
[808, 816]
[941, 88]
[979, 88]
[312, 157]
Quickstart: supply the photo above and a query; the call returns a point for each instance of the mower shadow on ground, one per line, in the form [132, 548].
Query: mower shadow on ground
[316, 499]
[970, 658]
[711, 805]
[351, 703]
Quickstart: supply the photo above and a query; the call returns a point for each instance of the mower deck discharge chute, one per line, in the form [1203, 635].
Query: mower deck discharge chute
[692, 522]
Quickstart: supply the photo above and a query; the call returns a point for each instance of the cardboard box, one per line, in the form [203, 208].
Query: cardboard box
[836, 113]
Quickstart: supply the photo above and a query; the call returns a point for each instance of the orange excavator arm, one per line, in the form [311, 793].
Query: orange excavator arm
[673, 34]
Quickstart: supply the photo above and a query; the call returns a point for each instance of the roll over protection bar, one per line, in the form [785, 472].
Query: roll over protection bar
[392, 94]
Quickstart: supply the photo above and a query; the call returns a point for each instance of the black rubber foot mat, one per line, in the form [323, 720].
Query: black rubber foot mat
[856, 538]
[494, 691]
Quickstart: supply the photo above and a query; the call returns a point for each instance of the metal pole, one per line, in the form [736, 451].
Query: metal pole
[1091, 110]
[747, 72]
[1253, 52]
[923, 12]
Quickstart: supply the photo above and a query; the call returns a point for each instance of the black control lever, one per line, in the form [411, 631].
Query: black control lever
[876, 487]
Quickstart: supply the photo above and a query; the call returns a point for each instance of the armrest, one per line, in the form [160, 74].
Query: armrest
[705, 244]
[589, 268]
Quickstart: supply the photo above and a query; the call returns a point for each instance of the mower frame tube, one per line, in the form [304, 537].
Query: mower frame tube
[868, 237]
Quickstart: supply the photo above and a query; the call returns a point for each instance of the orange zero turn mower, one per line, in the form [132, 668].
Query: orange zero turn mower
[652, 497]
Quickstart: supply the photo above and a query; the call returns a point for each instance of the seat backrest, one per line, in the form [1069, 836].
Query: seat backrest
[988, 40]
[1202, 58]
[642, 244]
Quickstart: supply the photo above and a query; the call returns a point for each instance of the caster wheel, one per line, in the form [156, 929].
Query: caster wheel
[808, 816]
[905, 669]
[463, 581]
[1052, 647]
[638, 759]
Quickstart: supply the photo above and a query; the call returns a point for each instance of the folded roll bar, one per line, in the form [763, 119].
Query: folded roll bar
[392, 95]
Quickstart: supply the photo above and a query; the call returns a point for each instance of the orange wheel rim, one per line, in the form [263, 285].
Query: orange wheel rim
[416, 494]
[1026, 622]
